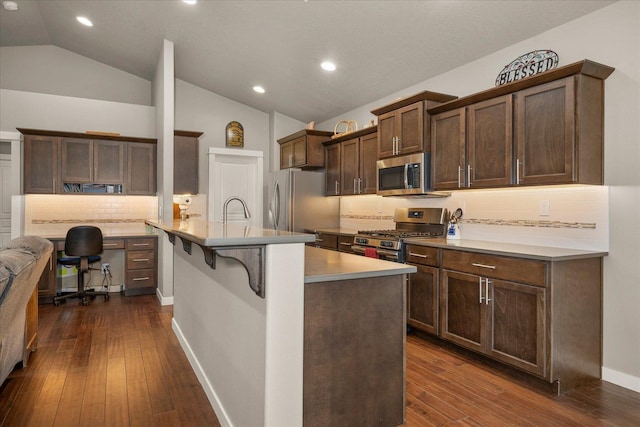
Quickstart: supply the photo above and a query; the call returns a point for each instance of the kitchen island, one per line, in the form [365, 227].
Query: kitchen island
[283, 335]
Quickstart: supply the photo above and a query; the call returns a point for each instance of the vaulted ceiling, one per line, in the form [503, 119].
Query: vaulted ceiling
[227, 47]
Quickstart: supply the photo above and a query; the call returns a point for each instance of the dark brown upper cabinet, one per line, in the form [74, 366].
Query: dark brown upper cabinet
[185, 162]
[40, 164]
[472, 146]
[141, 170]
[402, 128]
[332, 169]
[303, 149]
[118, 164]
[351, 163]
[545, 129]
[89, 161]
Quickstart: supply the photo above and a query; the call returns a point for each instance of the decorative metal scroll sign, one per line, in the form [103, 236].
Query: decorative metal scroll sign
[528, 65]
[234, 135]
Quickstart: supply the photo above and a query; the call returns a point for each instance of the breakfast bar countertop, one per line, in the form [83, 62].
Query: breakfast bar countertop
[218, 234]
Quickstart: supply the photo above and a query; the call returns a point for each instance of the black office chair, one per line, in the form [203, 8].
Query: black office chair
[84, 244]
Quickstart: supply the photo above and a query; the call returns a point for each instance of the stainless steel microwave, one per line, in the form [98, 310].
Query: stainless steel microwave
[404, 175]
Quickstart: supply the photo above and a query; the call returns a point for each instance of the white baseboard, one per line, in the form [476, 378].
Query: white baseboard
[163, 300]
[621, 379]
[223, 418]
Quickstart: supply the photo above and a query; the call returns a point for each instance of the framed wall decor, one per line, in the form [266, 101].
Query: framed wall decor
[234, 135]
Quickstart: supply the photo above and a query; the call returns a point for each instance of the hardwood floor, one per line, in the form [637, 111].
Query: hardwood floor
[118, 363]
[114, 363]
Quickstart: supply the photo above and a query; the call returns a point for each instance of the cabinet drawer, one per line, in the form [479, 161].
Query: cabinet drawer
[425, 255]
[137, 260]
[514, 269]
[327, 241]
[344, 243]
[140, 244]
[141, 279]
[113, 244]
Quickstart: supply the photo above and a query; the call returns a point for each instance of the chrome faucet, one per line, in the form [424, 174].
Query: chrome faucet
[247, 214]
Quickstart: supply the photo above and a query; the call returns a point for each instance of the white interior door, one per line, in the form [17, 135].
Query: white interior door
[235, 173]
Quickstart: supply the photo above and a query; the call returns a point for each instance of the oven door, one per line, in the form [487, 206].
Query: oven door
[384, 254]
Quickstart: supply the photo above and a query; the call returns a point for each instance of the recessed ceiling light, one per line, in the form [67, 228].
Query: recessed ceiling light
[328, 65]
[259, 89]
[10, 5]
[84, 21]
[190, 1]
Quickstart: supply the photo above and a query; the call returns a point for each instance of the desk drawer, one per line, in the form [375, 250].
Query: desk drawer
[140, 244]
[141, 279]
[137, 260]
[112, 244]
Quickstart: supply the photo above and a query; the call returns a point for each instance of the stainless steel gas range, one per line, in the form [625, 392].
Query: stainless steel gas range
[410, 222]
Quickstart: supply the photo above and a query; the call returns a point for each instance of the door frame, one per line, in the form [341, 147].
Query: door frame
[17, 207]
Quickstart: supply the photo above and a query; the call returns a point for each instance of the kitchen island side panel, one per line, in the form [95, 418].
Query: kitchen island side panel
[354, 346]
[238, 343]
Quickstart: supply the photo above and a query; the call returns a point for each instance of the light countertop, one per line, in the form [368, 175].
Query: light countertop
[543, 253]
[322, 265]
[339, 231]
[217, 234]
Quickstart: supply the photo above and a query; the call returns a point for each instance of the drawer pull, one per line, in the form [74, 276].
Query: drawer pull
[137, 279]
[140, 244]
[475, 264]
[418, 255]
[141, 260]
[109, 244]
[345, 244]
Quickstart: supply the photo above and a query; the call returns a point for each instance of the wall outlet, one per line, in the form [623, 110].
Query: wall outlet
[105, 268]
[544, 208]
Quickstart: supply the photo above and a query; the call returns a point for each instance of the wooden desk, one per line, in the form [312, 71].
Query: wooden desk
[141, 265]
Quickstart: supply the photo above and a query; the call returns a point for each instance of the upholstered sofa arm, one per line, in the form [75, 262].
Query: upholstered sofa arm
[21, 265]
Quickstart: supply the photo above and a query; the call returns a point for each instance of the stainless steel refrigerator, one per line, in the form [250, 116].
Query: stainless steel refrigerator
[296, 202]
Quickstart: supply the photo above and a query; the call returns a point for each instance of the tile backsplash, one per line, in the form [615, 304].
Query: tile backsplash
[52, 215]
[578, 216]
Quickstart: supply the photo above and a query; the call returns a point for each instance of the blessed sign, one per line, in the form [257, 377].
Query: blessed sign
[527, 65]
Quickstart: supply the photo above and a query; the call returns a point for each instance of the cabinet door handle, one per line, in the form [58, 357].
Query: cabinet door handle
[480, 289]
[141, 260]
[138, 279]
[337, 191]
[418, 255]
[354, 186]
[469, 174]
[475, 264]
[459, 173]
[487, 281]
[517, 171]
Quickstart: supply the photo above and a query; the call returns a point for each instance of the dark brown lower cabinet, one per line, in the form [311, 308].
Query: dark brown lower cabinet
[422, 299]
[422, 288]
[542, 317]
[504, 320]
